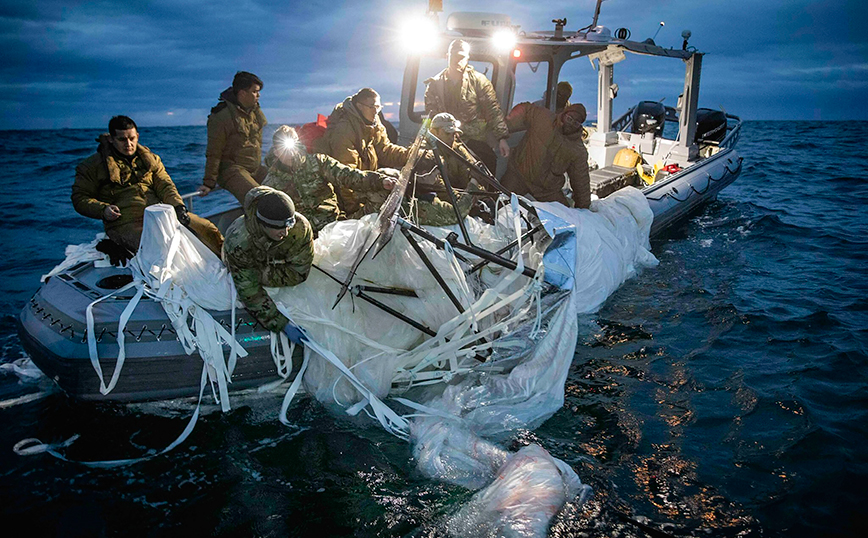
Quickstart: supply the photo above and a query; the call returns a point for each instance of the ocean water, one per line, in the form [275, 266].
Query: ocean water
[722, 393]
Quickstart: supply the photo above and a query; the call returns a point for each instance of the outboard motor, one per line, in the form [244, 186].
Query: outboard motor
[648, 117]
[710, 125]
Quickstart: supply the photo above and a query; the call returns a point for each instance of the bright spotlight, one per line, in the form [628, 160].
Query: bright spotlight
[419, 35]
[288, 144]
[503, 40]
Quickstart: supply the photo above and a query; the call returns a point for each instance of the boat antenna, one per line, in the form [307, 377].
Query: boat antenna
[662, 24]
[596, 16]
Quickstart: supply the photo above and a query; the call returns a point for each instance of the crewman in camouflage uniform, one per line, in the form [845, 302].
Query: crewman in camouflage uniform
[356, 137]
[270, 245]
[311, 180]
[234, 153]
[469, 96]
[121, 179]
[445, 127]
[551, 147]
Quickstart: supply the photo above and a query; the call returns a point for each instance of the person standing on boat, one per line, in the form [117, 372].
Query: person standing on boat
[234, 153]
[469, 96]
[551, 146]
[356, 137]
[121, 179]
[270, 245]
[311, 180]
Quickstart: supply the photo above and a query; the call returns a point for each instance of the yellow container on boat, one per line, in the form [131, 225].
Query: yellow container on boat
[628, 158]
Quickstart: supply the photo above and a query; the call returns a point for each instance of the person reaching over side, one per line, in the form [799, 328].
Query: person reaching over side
[270, 245]
[312, 180]
[551, 147]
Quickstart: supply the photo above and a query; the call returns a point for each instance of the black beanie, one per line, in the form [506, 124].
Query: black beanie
[275, 210]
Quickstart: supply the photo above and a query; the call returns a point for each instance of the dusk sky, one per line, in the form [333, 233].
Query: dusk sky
[77, 63]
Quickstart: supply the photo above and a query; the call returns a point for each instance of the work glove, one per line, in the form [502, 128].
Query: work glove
[294, 333]
[183, 217]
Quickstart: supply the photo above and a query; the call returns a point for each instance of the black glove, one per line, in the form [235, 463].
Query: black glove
[183, 217]
[118, 255]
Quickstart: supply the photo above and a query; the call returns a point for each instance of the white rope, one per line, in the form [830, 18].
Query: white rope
[33, 446]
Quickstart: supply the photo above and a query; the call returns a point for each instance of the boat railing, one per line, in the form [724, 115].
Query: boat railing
[622, 123]
[188, 199]
[731, 138]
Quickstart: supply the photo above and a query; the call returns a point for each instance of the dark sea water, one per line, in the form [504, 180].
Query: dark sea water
[724, 394]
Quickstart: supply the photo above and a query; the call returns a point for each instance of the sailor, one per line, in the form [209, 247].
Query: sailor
[562, 97]
[469, 96]
[270, 245]
[445, 127]
[356, 137]
[121, 179]
[552, 145]
[234, 152]
[311, 180]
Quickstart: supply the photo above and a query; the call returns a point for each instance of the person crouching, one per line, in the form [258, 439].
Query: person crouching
[270, 245]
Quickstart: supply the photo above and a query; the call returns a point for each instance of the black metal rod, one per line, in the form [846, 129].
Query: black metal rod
[476, 251]
[527, 234]
[476, 170]
[388, 309]
[441, 165]
[425, 234]
[432, 269]
[389, 291]
[357, 291]
[493, 258]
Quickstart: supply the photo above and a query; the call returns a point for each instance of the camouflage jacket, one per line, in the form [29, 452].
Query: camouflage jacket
[312, 186]
[256, 261]
[537, 165]
[107, 178]
[477, 108]
[234, 138]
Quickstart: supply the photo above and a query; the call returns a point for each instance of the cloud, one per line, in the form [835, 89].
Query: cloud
[58, 59]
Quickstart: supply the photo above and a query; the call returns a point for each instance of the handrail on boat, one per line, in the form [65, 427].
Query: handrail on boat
[731, 138]
[188, 199]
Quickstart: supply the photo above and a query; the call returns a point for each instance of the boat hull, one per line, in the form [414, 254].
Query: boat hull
[52, 331]
[680, 195]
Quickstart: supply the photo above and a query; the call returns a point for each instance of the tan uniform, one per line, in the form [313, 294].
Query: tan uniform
[537, 165]
[234, 153]
[132, 184]
[353, 141]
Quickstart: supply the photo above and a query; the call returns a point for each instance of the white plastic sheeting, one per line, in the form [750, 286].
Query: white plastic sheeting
[532, 339]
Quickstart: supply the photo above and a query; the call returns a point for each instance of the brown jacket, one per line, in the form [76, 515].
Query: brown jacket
[107, 178]
[477, 110]
[537, 165]
[359, 144]
[234, 138]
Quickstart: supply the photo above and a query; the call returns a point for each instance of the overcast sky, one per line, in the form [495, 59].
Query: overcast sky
[69, 63]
